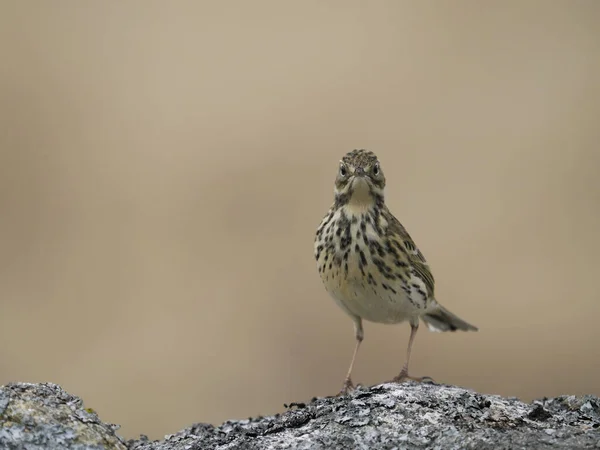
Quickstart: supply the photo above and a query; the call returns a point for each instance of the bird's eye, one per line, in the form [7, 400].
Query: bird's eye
[376, 169]
[343, 170]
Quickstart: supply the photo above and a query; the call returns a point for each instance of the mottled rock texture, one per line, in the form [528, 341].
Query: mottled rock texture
[43, 416]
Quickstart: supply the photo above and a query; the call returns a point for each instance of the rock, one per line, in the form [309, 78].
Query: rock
[44, 417]
[389, 416]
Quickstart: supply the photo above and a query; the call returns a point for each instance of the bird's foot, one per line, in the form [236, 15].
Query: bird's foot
[404, 376]
[347, 387]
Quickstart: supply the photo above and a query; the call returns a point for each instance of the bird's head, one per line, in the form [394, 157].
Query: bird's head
[360, 180]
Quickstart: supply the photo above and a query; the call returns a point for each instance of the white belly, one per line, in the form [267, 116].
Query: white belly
[374, 302]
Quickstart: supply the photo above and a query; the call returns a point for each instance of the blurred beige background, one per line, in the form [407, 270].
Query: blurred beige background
[164, 165]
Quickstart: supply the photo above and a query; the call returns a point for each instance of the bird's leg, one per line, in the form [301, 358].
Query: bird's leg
[404, 375]
[358, 333]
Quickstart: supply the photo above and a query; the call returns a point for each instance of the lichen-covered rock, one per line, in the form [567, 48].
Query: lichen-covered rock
[388, 416]
[403, 416]
[44, 417]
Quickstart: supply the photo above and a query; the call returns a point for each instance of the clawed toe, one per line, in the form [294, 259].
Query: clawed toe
[404, 376]
[428, 380]
[347, 387]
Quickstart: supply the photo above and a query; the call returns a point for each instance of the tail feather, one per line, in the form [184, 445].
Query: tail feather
[440, 319]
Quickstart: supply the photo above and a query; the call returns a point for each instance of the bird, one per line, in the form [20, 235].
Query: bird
[371, 266]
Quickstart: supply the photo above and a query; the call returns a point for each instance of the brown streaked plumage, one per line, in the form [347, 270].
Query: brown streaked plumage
[369, 263]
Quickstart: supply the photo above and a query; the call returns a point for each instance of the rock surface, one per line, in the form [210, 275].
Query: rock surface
[43, 416]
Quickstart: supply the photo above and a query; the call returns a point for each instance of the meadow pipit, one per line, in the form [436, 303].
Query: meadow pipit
[370, 265]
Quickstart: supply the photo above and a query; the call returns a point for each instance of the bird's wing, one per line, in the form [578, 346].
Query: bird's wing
[415, 257]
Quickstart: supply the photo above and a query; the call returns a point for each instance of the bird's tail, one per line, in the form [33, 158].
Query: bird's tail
[440, 319]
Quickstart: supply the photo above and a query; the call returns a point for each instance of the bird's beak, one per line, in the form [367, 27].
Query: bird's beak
[359, 172]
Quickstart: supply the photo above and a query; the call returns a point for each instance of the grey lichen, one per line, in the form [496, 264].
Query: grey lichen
[388, 416]
[44, 417]
[406, 416]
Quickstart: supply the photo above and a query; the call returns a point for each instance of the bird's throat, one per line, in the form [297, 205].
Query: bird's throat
[362, 198]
